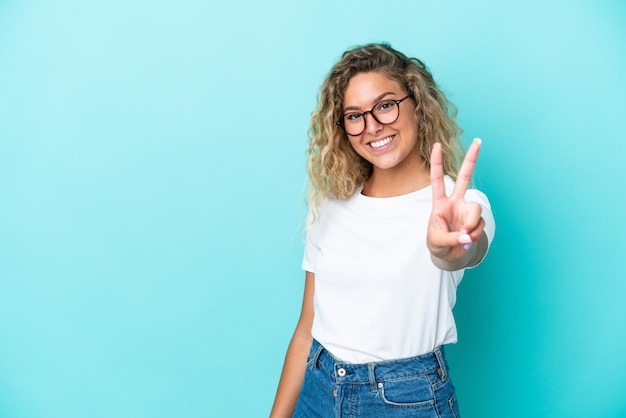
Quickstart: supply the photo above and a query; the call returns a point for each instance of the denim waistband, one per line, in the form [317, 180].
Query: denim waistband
[375, 372]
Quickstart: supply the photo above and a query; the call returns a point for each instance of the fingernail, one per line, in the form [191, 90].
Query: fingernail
[465, 239]
[478, 141]
[467, 246]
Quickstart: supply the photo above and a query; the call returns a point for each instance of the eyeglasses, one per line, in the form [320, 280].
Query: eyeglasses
[384, 112]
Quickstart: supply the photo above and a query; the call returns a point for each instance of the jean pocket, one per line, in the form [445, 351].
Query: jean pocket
[314, 354]
[454, 406]
[413, 392]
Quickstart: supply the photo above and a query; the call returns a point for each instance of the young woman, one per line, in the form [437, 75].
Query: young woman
[392, 227]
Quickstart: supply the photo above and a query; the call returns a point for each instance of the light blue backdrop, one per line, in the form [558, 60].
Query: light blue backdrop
[151, 199]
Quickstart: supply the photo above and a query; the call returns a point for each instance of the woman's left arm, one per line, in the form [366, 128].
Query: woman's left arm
[456, 238]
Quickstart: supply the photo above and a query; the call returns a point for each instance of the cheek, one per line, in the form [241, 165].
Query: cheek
[355, 142]
[359, 148]
[409, 130]
[409, 123]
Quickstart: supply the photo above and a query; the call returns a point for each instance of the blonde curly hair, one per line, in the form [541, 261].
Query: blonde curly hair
[335, 170]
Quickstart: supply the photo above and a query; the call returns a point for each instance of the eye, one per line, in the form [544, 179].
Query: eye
[351, 117]
[385, 105]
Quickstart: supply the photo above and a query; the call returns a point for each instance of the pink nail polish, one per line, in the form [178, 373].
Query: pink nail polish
[465, 239]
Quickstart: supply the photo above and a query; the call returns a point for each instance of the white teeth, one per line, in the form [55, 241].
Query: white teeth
[382, 142]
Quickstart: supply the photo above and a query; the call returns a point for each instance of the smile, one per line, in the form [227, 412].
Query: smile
[381, 142]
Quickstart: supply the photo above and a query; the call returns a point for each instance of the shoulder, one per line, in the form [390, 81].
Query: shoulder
[471, 195]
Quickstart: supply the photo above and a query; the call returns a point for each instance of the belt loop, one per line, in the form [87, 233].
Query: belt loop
[443, 369]
[372, 375]
[316, 356]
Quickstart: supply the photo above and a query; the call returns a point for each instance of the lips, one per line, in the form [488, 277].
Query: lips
[381, 142]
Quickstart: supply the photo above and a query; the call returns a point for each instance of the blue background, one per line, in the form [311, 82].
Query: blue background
[152, 167]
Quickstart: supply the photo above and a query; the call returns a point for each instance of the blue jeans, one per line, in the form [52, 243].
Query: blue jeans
[413, 387]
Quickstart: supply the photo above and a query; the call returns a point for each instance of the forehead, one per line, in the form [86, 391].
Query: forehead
[365, 88]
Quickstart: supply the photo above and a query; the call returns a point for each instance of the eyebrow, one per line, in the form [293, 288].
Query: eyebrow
[376, 100]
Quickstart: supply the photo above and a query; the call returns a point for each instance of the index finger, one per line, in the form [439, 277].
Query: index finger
[467, 169]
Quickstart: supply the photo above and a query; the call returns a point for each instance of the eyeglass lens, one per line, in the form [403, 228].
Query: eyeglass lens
[385, 112]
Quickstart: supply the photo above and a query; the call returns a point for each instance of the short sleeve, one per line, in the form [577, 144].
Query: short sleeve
[311, 249]
[476, 196]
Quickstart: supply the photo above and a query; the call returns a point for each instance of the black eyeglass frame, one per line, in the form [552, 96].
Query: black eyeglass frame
[371, 112]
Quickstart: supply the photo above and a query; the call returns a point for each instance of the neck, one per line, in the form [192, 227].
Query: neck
[397, 181]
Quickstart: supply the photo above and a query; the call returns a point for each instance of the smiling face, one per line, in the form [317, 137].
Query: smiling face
[387, 147]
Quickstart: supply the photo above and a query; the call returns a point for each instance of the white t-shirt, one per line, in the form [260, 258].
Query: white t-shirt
[378, 296]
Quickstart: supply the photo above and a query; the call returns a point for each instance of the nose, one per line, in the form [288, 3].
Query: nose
[372, 126]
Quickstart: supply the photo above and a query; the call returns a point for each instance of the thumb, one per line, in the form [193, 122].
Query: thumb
[449, 239]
